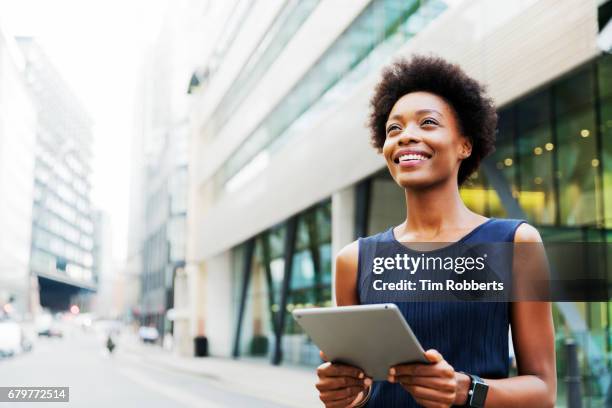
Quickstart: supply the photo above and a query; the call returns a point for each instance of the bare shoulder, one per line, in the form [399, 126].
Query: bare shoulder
[527, 233]
[346, 275]
[348, 255]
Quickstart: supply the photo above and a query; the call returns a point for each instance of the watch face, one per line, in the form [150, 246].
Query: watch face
[479, 395]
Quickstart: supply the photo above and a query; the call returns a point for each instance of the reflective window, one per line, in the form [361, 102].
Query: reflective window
[535, 160]
[272, 44]
[604, 71]
[381, 20]
[577, 158]
[310, 285]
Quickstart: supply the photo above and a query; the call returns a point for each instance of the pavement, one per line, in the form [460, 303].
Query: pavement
[290, 386]
[138, 375]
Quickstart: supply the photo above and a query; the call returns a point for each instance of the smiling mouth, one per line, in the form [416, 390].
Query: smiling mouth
[410, 157]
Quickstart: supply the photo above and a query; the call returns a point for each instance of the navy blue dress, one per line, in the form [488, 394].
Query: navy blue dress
[472, 336]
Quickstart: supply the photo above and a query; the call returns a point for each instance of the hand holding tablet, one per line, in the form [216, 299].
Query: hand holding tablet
[370, 337]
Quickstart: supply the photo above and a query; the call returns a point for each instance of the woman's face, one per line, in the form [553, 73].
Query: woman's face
[424, 145]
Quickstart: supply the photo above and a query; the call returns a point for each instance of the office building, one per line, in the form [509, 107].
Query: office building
[17, 150]
[283, 174]
[159, 174]
[62, 228]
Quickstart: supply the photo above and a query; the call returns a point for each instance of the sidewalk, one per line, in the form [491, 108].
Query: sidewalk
[290, 386]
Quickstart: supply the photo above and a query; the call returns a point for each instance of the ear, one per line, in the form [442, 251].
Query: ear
[466, 148]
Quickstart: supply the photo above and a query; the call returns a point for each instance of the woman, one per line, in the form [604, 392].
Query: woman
[433, 125]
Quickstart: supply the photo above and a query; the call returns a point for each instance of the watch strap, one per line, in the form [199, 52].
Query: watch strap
[475, 382]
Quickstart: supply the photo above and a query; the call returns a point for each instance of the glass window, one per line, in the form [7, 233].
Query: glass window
[535, 157]
[351, 48]
[310, 285]
[604, 70]
[577, 159]
[474, 193]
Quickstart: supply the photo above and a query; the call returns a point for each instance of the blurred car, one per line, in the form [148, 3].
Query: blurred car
[84, 320]
[47, 326]
[148, 334]
[11, 338]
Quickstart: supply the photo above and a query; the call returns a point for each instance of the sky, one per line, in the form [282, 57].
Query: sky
[97, 46]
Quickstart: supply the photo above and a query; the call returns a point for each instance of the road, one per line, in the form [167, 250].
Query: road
[122, 380]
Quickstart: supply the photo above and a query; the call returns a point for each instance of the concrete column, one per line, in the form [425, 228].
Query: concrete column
[183, 343]
[219, 305]
[196, 280]
[343, 224]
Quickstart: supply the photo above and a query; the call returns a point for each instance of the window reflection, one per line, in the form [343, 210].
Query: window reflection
[310, 285]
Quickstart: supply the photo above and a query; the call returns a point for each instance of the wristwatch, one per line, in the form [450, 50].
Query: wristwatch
[477, 392]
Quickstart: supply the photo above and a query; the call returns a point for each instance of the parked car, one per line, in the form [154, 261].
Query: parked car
[47, 326]
[11, 338]
[148, 334]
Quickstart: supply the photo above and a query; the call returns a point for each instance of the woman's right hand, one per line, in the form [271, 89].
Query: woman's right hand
[341, 385]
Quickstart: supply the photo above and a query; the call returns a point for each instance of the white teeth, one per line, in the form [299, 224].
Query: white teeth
[412, 156]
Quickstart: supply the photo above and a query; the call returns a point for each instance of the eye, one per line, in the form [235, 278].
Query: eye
[393, 127]
[429, 121]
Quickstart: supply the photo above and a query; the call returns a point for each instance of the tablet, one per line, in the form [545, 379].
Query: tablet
[371, 337]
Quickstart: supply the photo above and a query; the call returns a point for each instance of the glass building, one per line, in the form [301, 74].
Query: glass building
[17, 139]
[62, 226]
[285, 176]
[560, 130]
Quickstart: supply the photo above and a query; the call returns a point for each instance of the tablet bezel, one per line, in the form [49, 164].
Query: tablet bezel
[371, 337]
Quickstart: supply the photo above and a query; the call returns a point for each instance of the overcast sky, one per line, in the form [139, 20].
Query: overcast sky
[97, 46]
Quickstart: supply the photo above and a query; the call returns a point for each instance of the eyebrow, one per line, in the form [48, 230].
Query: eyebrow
[397, 116]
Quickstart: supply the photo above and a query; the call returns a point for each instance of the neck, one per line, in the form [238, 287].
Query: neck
[436, 208]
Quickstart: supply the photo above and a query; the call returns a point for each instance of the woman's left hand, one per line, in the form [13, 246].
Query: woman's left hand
[431, 385]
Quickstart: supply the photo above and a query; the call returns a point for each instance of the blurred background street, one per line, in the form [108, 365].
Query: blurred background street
[135, 375]
[177, 176]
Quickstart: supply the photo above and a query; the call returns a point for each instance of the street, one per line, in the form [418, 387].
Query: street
[124, 379]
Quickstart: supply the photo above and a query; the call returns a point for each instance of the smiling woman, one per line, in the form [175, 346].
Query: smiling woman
[433, 125]
[457, 105]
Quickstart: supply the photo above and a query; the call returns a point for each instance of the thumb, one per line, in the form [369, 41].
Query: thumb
[323, 356]
[433, 356]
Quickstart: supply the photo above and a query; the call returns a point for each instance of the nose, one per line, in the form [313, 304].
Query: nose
[408, 136]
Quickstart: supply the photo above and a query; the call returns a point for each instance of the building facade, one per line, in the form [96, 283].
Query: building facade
[283, 175]
[159, 174]
[17, 151]
[61, 256]
[103, 303]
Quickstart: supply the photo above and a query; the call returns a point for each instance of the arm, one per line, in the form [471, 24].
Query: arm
[345, 282]
[533, 339]
[342, 385]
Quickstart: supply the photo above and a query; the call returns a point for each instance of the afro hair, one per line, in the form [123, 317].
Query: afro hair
[475, 110]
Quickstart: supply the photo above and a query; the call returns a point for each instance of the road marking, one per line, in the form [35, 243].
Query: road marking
[174, 393]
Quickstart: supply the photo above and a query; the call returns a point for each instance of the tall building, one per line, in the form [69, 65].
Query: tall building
[163, 251]
[282, 174]
[159, 173]
[104, 302]
[17, 138]
[62, 228]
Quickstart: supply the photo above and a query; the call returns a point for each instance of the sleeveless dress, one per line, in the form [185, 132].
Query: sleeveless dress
[471, 336]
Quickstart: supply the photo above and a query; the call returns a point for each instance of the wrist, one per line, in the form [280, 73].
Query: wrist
[463, 387]
[364, 399]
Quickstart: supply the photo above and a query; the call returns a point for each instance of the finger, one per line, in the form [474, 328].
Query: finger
[440, 369]
[341, 394]
[323, 356]
[436, 383]
[430, 394]
[334, 383]
[341, 403]
[433, 356]
[339, 370]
